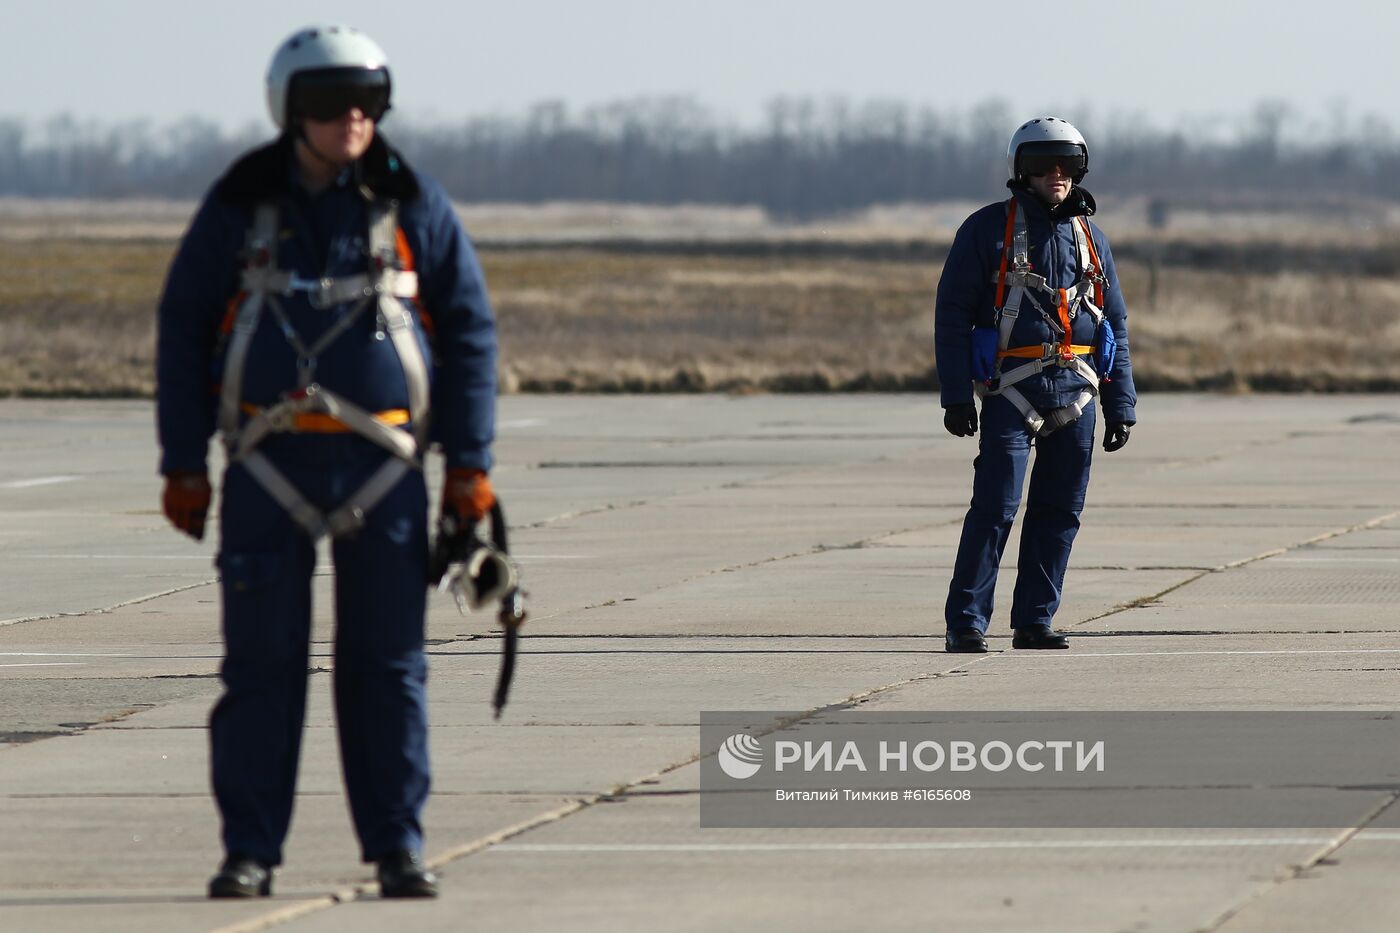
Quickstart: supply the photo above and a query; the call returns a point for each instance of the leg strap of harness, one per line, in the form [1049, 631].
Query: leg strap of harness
[1042, 425]
[1066, 415]
[347, 518]
[350, 516]
[1032, 417]
[280, 488]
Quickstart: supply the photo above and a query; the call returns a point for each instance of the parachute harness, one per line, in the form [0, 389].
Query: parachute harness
[311, 407]
[1014, 285]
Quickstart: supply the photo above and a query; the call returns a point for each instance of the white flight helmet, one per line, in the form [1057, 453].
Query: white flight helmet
[1047, 136]
[325, 49]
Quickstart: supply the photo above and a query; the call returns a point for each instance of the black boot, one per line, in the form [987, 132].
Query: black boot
[241, 876]
[402, 874]
[1038, 638]
[965, 641]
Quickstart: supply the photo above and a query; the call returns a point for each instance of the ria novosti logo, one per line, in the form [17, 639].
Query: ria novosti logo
[740, 756]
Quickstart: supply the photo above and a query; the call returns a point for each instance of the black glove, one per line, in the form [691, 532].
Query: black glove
[961, 420]
[1115, 434]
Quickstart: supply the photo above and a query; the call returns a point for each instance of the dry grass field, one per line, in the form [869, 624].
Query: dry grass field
[77, 306]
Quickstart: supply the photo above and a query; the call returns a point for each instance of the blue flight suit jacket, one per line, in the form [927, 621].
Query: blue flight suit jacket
[967, 295]
[324, 235]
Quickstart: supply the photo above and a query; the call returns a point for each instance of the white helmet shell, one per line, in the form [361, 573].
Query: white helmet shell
[312, 49]
[1043, 130]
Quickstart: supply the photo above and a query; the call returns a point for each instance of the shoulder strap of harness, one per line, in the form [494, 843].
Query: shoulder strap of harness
[1005, 253]
[1089, 265]
[260, 259]
[384, 255]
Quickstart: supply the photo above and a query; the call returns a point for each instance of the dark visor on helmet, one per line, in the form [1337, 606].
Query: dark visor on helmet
[1041, 158]
[331, 93]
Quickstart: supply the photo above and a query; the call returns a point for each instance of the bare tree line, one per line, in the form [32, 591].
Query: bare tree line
[806, 158]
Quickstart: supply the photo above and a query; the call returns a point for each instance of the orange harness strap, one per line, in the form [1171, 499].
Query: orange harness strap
[406, 261]
[315, 422]
[1038, 352]
[1062, 308]
[1005, 252]
[231, 312]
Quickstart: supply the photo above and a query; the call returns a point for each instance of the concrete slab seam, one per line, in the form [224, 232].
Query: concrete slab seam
[290, 912]
[1292, 872]
[1222, 456]
[1233, 565]
[810, 552]
[582, 513]
[485, 843]
[112, 608]
[355, 892]
[524, 826]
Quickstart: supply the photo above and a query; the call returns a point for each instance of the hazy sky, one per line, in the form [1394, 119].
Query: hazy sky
[165, 59]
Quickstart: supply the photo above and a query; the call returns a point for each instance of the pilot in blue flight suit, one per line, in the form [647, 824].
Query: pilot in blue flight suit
[1030, 318]
[325, 312]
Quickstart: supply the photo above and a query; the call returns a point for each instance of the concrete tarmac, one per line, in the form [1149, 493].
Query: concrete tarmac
[689, 553]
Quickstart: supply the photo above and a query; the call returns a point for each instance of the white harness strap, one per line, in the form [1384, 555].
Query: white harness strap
[395, 318]
[384, 287]
[261, 251]
[1021, 282]
[346, 519]
[315, 399]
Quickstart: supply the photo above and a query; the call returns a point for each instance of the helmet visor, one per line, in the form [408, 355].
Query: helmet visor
[1040, 159]
[330, 93]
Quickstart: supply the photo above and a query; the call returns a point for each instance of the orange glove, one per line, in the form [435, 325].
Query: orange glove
[468, 493]
[185, 502]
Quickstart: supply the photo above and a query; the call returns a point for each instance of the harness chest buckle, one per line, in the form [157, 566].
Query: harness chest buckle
[281, 420]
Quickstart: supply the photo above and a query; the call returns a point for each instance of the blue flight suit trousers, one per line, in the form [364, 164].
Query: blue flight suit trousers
[1059, 479]
[266, 562]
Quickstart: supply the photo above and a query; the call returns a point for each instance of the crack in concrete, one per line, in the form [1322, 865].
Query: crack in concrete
[104, 610]
[749, 565]
[1291, 872]
[1243, 562]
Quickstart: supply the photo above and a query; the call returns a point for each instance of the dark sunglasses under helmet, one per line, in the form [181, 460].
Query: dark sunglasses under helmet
[1037, 159]
[330, 93]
